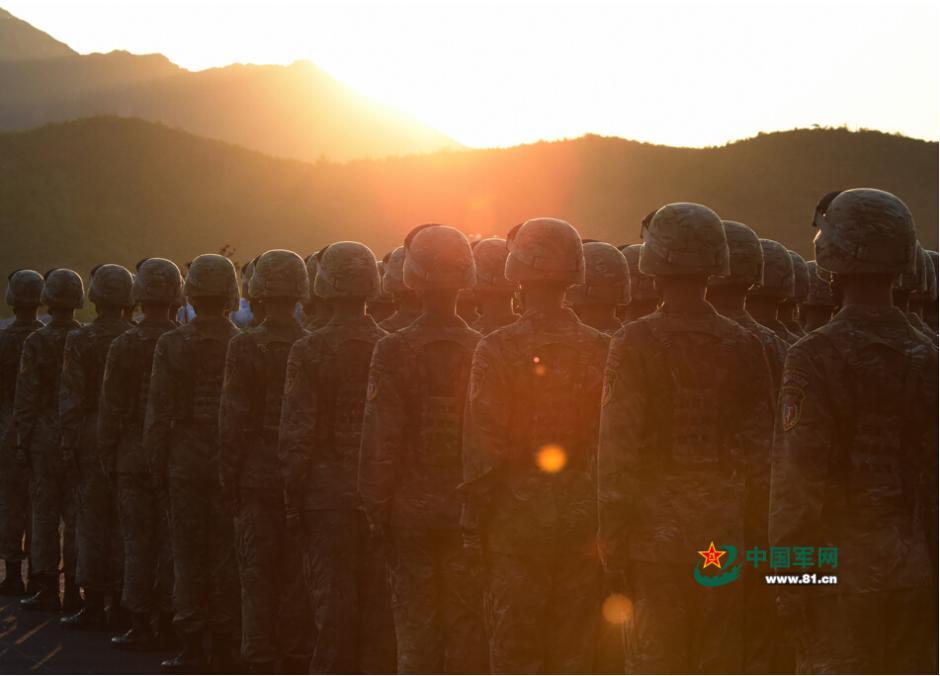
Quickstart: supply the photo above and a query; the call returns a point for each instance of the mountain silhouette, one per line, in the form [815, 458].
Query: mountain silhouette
[19, 41]
[109, 189]
[296, 111]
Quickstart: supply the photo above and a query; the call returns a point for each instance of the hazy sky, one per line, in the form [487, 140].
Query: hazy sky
[501, 73]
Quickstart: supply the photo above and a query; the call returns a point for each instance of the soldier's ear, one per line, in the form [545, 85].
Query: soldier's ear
[645, 223]
[10, 276]
[319, 254]
[511, 235]
[823, 205]
[49, 272]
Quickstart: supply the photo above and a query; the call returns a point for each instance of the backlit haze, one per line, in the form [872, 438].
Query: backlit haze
[503, 73]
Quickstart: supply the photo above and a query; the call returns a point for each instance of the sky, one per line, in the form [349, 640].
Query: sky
[503, 73]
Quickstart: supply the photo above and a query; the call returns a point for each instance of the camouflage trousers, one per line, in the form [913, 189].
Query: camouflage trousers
[53, 497]
[100, 550]
[545, 610]
[679, 626]
[205, 575]
[766, 648]
[14, 506]
[881, 632]
[437, 603]
[274, 609]
[347, 581]
[148, 562]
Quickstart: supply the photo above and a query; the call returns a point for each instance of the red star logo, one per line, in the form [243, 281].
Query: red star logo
[712, 556]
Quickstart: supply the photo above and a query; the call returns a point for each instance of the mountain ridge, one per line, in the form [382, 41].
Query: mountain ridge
[112, 189]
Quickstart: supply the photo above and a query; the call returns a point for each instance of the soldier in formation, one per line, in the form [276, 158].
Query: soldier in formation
[523, 497]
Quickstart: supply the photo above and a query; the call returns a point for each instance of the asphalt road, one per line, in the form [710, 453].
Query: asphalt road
[34, 643]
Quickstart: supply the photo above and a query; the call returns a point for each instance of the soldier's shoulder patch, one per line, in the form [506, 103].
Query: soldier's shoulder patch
[791, 405]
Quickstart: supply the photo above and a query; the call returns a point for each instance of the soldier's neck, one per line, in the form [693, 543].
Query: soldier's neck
[25, 314]
[916, 306]
[900, 299]
[61, 315]
[815, 316]
[409, 303]
[871, 290]
[763, 308]
[109, 311]
[683, 294]
[639, 308]
[439, 303]
[348, 309]
[543, 297]
[786, 312]
[494, 305]
[727, 300]
[155, 312]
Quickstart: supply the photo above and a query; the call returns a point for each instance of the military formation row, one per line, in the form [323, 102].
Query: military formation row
[513, 470]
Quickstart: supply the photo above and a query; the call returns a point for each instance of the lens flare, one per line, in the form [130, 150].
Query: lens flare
[617, 609]
[551, 458]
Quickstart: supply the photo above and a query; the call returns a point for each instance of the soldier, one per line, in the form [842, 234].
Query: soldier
[820, 302]
[321, 431]
[407, 305]
[728, 295]
[316, 310]
[250, 475]
[23, 293]
[529, 451]
[855, 458]
[142, 511]
[493, 291]
[36, 423]
[382, 304]
[930, 305]
[918, 290]
[686, 427]
[606, 287]
[410, 462]
[643, 294]
[788, 309]
[764, 299]
[100, 551]
[467, 306]
[181, 438]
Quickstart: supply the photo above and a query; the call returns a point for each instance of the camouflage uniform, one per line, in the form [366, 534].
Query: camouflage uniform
[409, 469]
[181, 439]
[777, 284]
[142, 511]
[269, 562]
[534, 398]
[820, 302]
[407, 307]
[606, 285]
[36, 422]
[918, 292]
[100, 550]
[686, 428]
[489, 255]
[316, 311]
[643, 293]
[855, 460]
[321, 431]
[24, 290]
[930, 303]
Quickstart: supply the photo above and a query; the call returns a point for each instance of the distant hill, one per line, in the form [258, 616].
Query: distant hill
[20, 41]
[115, 190]
[295, 111]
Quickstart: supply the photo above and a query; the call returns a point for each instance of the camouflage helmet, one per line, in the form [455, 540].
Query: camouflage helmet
[278, 274]
[24, 289]
[490, 256]
[381, 295]
[248, 269]
[683, 238]
[778, 272]
[158, 281]
[820, 291]
[800, 277]
[347, 270]
[438, 257]
[864, 231]
[606, 277]
[393, 277]
[931, 293]
[545, 250]
[642, 287]
[211, 276]
[63, 289]
[745, 257]
[111, 285]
